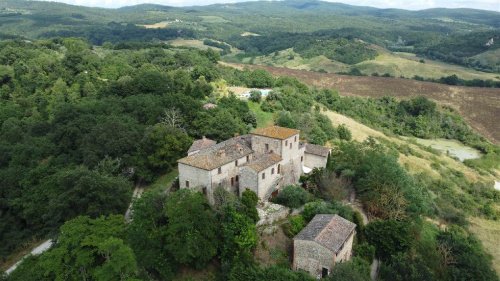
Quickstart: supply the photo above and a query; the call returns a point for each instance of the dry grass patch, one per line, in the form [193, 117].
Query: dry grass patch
[158, 25]
[273, 248]
[488, 232]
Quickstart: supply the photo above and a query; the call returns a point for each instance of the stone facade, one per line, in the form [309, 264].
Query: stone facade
[314, 161]
[325, 241]
[264, 161]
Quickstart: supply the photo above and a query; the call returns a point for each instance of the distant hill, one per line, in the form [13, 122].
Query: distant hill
[458, 36]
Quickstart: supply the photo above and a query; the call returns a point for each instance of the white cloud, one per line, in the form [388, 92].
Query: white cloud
[401, 4]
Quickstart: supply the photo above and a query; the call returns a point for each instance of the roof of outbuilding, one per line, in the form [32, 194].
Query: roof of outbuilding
[264, 161]
[201, 144]
[219, 154]
[276, 132]
[330, 231]
[317, 149]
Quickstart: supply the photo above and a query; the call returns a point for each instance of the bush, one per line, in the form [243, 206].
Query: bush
[364, 251]
[344, 133]
[321, 207]
[293, 196]
[255, 96]
[294, 225]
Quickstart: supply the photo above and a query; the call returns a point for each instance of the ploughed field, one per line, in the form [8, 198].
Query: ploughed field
[479, 106]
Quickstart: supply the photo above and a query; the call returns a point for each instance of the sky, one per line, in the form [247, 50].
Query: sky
[493, 5]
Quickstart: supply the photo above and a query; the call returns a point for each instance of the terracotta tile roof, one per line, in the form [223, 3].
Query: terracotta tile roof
[330, 231]
[276, 132]
[201, 144]
[317, 149]
[264, 161]
[219, 154]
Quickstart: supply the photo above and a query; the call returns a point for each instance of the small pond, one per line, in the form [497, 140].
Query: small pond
[453, 147]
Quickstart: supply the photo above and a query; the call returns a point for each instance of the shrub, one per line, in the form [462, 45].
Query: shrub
[255, 96]
[294, 225]
[344, 133]
[364, 251]
[293, 196]
[321, 207]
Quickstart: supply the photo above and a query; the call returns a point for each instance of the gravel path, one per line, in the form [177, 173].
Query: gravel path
[36, 251]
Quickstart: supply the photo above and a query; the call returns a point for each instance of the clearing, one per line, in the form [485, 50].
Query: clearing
[158, 25]
[191, 43]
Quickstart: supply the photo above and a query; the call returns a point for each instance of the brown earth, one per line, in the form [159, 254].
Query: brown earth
[480, 107]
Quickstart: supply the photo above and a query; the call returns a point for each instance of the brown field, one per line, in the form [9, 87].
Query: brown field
[479, 106]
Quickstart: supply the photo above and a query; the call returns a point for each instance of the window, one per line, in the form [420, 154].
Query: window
[290, 145]
[187, 184]
[237, 178]
[204, 190]
[236, 163]
[248, 158]
[263, 176]
[272, 171]
[232, 181]
[286, 142]
[267, 146]
[279, 168]
[301, 158]
[295, 138]
[219, 170]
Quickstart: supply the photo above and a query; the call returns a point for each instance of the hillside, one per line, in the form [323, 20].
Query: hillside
[479, 106]
[452, 35]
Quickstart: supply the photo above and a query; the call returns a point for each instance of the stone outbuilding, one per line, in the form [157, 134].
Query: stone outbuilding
[315, 156]
[325, 241]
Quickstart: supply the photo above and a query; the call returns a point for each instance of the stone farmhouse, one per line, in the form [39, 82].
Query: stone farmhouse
[262, 161]
[325, 241]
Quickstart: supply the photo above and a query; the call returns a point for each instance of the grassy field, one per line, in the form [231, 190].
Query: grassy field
[264, 119]
[396, 64]
[192, 43]
[480, 107]
[488, 232]
[163, 182]
[408, 65]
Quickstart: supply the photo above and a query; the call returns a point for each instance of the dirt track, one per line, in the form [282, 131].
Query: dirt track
[479, 106]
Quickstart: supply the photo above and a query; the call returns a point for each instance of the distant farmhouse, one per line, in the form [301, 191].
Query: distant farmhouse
[263, 161]
[325, 241]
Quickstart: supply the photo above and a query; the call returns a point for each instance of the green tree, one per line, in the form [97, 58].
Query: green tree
[146, 235]
[255, 96]
[161, 146]
[192, 228]
[389, 237]
[292, 196]
[354, 270]
[88, 249]
[249, 199]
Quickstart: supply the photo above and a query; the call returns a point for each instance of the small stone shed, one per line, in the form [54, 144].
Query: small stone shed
[325, 241]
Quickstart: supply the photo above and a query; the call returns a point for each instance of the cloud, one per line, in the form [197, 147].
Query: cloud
[401, 4]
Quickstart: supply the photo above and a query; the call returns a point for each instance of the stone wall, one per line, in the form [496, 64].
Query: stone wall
[259, 145]
[228, 171]
[314, 161]
[248, 180]
[346, 252]
[198, 178]
[311, 257]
